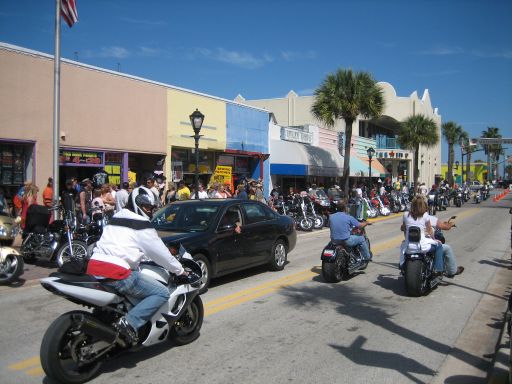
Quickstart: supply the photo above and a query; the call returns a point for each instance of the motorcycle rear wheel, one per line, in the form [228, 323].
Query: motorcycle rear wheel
[334, 272]
[415, 278]
[186, 329]
[11, 268]
[61, 344]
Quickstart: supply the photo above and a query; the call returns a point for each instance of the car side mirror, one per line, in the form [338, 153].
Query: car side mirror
[226, 227]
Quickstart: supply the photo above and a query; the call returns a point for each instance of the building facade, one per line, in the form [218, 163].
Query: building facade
[125, 125]
[380, 133]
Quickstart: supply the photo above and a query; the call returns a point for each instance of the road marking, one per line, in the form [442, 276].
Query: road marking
[32, 366]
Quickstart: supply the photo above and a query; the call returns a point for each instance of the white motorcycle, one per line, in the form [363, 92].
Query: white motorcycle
[11, 264]
[78, 342]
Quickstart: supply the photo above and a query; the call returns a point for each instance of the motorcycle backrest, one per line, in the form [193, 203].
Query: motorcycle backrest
[38, 216]
[414, 234]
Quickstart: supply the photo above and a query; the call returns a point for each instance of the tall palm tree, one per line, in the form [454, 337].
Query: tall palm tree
[415, 131]
[451, 132]
[464, 147]
[346, 95]
[491, 150]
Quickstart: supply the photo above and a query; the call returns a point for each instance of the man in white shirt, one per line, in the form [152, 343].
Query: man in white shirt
[122, 196]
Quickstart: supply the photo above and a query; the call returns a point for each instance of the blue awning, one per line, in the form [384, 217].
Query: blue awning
[291, 158]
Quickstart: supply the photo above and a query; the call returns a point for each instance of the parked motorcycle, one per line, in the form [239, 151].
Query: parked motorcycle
[432, 204]
[299, 211]
[78, 342]
[318, 219]
[340, 261]
[378, 204]
[50, 241]
[323, 205]
[11, 264]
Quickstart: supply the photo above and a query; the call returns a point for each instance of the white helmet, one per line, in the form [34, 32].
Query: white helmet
[142, 201]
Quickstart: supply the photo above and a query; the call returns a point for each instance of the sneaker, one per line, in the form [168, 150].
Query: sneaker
[126, 330]
[460, 269]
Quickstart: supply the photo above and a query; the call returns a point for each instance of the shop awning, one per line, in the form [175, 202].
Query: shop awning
[291, 158]
[359, 166]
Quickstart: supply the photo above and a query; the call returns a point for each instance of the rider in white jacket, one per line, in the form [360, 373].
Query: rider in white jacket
[124, 242]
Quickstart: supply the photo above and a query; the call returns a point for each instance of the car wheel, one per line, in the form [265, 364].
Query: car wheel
[206, 269]
[279, 256]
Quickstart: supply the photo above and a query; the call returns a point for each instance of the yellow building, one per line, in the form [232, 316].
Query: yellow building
[477, 171]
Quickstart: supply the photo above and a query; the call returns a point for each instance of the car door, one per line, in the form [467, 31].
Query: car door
[229, 245]
[259, 231]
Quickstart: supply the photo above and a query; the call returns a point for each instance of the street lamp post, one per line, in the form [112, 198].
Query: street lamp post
[196, 119]
[370, 152]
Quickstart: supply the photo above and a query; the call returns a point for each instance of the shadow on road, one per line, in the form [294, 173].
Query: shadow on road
[357, 305]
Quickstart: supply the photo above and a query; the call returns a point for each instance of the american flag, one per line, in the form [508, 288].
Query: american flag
[68, 11]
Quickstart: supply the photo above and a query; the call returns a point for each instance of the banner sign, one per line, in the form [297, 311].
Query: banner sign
[80, 157]
[222, 175]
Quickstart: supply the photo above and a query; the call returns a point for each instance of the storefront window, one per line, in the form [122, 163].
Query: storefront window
[13, 164]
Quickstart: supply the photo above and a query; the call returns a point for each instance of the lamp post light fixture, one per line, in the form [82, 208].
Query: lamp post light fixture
[370, 152]
[196, 119]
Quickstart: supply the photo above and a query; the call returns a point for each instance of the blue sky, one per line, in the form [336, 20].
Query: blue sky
[461, 50]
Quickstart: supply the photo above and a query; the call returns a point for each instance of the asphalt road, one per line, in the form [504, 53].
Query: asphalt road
[292, 327]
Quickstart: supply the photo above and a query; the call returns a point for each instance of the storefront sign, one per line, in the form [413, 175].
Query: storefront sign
[80, 158]
[296, 135]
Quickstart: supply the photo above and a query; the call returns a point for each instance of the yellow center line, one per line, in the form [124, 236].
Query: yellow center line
[32, 366]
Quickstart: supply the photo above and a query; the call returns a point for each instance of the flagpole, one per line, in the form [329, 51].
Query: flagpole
[56, 104]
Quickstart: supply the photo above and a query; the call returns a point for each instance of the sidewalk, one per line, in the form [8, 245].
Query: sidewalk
[481, 336]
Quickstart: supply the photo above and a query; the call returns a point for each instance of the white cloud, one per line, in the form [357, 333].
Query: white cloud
[238, 58]
[504, 54]
[114, 51]
[297, 55]
[442, 51]
[148, 51]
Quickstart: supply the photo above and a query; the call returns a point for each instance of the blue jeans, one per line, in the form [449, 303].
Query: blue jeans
[438, 257]
[152, 293]
[359, 241]
[449, 260]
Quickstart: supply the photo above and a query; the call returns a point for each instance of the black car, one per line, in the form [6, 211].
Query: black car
[227, 235]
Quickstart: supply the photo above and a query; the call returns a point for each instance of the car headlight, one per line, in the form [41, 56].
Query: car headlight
[3, 231]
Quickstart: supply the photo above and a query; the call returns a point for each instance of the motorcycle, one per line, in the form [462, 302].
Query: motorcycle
[476, 197]
[11, 264]
[340, 261]
[432, 204]
[323, 205]
[380, 207]
[50, 241]
[78, 342]
[299, 211]
[457, 198]
[318, 220]
[418, 265]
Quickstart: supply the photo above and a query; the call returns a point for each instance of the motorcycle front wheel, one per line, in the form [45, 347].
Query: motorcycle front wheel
[187, 328]
[11, 268]
[62, 349]
[305, 224]
[80, 252]
[318, 221]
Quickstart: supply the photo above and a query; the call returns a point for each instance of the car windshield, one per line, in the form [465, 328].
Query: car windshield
[334, 194]
[184, 217]
[318, 194]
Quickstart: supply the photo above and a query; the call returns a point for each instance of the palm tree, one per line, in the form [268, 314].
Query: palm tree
[451, 132]
[464, 145]
[491, 150]
[346, 95]
[417, 130]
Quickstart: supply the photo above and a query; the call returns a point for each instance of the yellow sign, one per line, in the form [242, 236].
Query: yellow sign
[222, 175]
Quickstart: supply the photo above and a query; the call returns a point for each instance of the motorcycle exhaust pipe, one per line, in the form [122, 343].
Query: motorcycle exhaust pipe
[95, 328]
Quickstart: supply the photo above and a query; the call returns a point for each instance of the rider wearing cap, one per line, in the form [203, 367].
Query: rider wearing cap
[124, 242]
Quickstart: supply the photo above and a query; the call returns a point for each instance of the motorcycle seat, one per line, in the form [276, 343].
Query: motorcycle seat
[75, 278]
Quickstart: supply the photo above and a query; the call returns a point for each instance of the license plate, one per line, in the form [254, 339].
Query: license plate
[329, 252]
